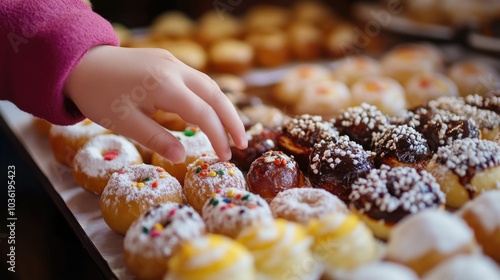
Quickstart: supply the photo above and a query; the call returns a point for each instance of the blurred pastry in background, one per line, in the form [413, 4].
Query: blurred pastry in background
[382, 270]
[123, 33]
[231, 56]
[465, 267]
[474, 77]
[214, 26]
[306, 41]
[424, 87]
[326, 98]
[172, 25]
[317, 13]
[341, 41]
[382, 92]
[271, 48]
[352, 68]
[187, 51]
[265, 18]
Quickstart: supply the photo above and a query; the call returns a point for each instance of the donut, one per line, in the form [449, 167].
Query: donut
[401, 145]
[271, 49]
[211, 256]
[473, 77]
[195, 143]
[230, 83]
[423, 240]
[65, 141]
[301, 205]
[272, 173]
[406, 60]
[133, 190]
[466, 267]
[326, 98]
[387, 195]
[305, 40]
[360, 123]
[487, 121]
[423, 87]
[172, 25]
[466, 168]
[490, 102]
[206, 175]
[439, 127]
[168, 120]
[382, 270]
[230, 210]
[298, 135]
[153, 238]
[382, 92]
[213, 27]
[355, 67]
[267, 115]
[260, 140]
[337, 163]
[187, 51]
[482, 214]
[342, 242]
[281, 250]
[288, 90]
[100, 157]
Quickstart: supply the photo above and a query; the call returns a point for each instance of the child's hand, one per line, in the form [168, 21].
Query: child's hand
[120, 88]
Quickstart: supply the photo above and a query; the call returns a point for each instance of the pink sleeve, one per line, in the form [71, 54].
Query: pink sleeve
[41, 41]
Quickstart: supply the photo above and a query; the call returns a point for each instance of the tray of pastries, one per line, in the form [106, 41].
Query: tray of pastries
[358, 167]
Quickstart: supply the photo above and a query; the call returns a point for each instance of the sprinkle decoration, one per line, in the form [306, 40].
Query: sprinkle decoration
[190, 131]
[110, 155]
[230, 200]
[277, 158]
[155, 184]
[202, 170]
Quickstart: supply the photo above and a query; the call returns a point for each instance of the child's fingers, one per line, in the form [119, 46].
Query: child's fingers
[193, 109]
[150, 134]
[210, 92]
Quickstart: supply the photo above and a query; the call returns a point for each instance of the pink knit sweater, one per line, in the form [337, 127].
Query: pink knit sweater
[40, 43]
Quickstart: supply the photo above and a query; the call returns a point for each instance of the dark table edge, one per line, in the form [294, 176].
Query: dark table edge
[105, 270]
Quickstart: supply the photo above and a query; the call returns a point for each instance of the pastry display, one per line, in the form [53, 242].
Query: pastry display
[211, 256]
[65, 141]
[298, 135]
[473, 77]
[206, 175]
[326, 98]
[465, 169]
[99, 158]
[423, 87]
[153, 238]
[302, 205]
[360, 123]
[336, 235]
[195, 143]
[230, 56]
[229, 211]
[281, 250]
[482, 214]
[336, 163]
[401, 145]
[272, 173]
[384, 93]
[428, 238]
[387, 195]
[133, 190]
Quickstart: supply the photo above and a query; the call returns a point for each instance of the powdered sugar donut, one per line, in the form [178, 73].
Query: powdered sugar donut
[466, 168]
[65, 141]
[230, 210]
[155, 235]
[482, 214]
[133, 190]
[195, 143]
[206, 175]
[301, 205]
[100, 157]
[423, 240]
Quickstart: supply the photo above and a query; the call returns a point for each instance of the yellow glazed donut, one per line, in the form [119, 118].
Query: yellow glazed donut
[281, 250]
[206, 175]
[65, 141]
[423, 240]
[301, 205]
[133, 190]
[100, 157]
[229, 211]
[482, 214]
[211, 257]
[465, 169]
[342, 241]
[195, 144]
[154, 236]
